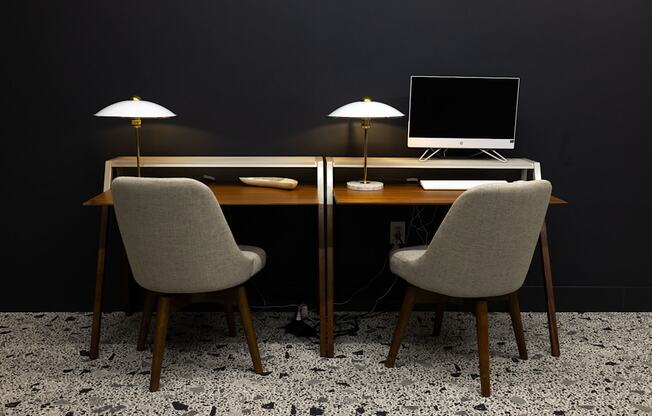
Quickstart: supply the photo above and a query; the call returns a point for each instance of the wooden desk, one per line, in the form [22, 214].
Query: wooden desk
[227, 194]
[234, 194]
[402, 194]
[413, 194]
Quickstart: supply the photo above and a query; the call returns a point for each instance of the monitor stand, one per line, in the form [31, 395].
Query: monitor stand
[423, 156]
[492, 153]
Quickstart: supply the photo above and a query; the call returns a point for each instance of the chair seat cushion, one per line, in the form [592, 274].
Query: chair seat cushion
[402, 262]
[256, 254]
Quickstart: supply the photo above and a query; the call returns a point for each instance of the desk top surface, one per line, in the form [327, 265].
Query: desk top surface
[403, 194]
[235, 194]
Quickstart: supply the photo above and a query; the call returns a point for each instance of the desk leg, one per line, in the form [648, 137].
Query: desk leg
[330, 296]
[325, 282]
[127, 277]
[321, 255]
[550, 295]
[99, 284]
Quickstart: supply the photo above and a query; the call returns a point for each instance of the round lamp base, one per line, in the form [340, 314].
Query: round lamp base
[364, 186]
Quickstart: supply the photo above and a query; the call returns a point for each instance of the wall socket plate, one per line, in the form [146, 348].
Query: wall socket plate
[397, 228]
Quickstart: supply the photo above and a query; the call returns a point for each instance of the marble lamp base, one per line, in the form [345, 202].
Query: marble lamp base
[364, 186]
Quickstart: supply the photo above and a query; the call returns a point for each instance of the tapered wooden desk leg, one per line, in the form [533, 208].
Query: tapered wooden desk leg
[321, 256]
[99, 284]
[330, 295]
[549, 290]
[127, 277]
[326, 307]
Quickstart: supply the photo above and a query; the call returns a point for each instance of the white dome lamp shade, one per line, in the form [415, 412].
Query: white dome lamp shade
[366, 110]
[135, 109]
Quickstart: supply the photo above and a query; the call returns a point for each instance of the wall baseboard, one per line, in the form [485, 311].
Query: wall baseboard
[589, 299]
[532, 299]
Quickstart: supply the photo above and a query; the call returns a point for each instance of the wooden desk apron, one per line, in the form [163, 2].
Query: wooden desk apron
[403, 194]
[241, 195]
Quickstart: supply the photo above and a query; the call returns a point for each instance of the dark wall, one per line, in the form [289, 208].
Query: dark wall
[259, 78]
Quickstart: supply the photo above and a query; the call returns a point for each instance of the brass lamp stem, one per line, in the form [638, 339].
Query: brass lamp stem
[136, 124]
[366, 125]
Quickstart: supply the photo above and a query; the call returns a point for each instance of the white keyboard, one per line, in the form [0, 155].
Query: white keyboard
[439, 185]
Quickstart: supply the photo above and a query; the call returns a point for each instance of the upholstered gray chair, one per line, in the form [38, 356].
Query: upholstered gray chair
[181, 250]
[481, 251]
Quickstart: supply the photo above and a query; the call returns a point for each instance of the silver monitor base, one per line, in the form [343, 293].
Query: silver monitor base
[492, 153]
[495, 155]
[423, 155]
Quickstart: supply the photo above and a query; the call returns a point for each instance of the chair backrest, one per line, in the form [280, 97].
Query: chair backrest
[176, 237]
[485, 243]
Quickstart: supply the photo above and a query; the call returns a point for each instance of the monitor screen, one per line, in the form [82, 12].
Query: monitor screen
[463, 112]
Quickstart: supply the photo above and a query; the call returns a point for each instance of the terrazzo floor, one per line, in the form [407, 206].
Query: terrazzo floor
[605, 368]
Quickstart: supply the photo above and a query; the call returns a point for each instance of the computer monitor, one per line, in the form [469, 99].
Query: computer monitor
[463, 112]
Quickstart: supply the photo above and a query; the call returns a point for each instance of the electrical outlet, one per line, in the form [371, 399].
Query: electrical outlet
[397, 233]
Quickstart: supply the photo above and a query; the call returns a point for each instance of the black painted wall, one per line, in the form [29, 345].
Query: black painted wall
[259, 78]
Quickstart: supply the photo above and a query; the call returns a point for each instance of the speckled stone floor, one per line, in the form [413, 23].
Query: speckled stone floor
[605, 368]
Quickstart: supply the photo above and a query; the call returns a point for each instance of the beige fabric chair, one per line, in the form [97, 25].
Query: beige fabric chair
[181, 250]
[482, 250]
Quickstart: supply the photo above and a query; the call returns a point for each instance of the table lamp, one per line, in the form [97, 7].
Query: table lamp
[365, 110]
[135, 109]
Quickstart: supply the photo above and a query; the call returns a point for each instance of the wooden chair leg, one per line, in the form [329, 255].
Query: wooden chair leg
[148, 309]
[517, 324]
[404, 317]
[482, 325]
[230, 320]
[439, 316]
[162, 317]
[250, 333]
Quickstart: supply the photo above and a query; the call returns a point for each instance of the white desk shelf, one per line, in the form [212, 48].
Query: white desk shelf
[520, 164]
[315, 162]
